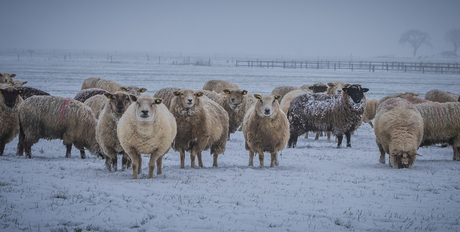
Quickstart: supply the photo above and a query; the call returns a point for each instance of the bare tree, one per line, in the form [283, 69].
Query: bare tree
[416, 38]
[453, 36]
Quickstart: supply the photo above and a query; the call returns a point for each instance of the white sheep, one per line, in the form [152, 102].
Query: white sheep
[398, 131]
[218, 86]
[440, 96]
[10, 100]
[110, 86]
[106, 129]
[147, 127]
[280, 91]
[6, 78]
[201, 124]
[265, 129]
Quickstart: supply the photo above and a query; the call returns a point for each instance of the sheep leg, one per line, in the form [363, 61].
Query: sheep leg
[20, 148]
[192, 158]
[68, 150]
[136, 161]
[28, 150]
[214, 160]
[329, 136]
[153, 159]
[340, 138]
[317, 135]
[348, 134]
[200, 160]
[182, 158]
[125, 161]
[251, 159]
[159, 164]
[372, 125]
[293, 140]
[382, 153]
[261, 159]
[274, 160]
[456, 153]
[82, 154]
[2, 146]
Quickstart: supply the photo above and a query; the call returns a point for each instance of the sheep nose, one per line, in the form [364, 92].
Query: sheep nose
[232, 100]
[189, 101]
[145, 112]
[267, 111]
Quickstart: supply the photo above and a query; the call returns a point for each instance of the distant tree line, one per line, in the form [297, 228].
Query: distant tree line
[417, 38]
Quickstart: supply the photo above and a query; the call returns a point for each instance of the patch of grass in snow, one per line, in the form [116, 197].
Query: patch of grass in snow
[3, 184]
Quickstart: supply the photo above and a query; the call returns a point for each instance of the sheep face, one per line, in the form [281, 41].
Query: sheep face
[355, 92]
[318, 88]
[119, 101]
[6, 78]
[188, 98]
[335, 88]
[145, 107]
[267, 106]
[402, 159]
[132, 90]
[235, 97]
[10, 95]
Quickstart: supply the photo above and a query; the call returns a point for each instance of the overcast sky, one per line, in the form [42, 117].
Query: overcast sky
[362, 28]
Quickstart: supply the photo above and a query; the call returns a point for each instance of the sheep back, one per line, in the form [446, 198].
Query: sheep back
[282, 90]
[166, 94]
[96, 104]
[85, 94]
[399, 131]
[440, 96]
[27, 92]
[218, 86]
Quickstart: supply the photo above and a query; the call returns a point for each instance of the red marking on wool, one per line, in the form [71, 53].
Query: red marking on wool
[439, 110]
[62, 110]
[290, 88]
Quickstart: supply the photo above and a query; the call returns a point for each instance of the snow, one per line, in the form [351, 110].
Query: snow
[317, 187]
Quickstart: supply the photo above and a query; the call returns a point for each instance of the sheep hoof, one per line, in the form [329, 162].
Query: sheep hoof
[382, 161]
[456, 158]
[348, 145]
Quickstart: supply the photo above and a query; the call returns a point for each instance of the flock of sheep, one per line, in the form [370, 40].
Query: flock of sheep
[110, 119]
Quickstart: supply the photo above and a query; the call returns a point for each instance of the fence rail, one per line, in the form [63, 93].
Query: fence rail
[355, 65]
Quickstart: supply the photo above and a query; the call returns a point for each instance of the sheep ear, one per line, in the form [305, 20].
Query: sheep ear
[142, 90]
[347, 85]
[176, 93]
[227, 91]
[199, 94]
[365, 90]
[277, 97]
[123, 89]
[158, 101]
[310, 87]
[108, 95]
[330, 84]
[12, 75]
[25, 82]
[345, 90]
[20, 91]
[244, 92]
[133, 98]
[258, 96]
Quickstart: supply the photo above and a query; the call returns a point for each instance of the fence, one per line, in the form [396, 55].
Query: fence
[355, 65]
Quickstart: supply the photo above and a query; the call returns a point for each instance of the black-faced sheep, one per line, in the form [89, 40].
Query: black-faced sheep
[167, 94]
[110, 86]
[10, 100]
[51, 117]
[441, 124]
[147, 127]
[265, 129]
[201, 124]
[281, 91]
[106, 130]
[233, 102]
[6, 78]
[339, 114]
[398, 131]
[440, 96]
[218, 86]
[85, 94]
[27, 92]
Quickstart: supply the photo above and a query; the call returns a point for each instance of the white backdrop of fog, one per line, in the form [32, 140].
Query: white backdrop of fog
[283, 28]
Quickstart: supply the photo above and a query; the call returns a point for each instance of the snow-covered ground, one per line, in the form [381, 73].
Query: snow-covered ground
[317, 187]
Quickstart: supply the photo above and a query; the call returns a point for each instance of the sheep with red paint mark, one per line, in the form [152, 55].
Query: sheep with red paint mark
[52, 117]
[398, 131]
[440, 96]
[218, 86]
[10, 100]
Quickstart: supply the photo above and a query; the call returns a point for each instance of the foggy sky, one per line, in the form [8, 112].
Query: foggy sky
[283, 28]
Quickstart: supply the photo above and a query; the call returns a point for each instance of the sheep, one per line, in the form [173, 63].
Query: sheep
[369, 111]
[335, 88]
[282, 90]
[339, 114]
[265, 129]
[201, 124]
[410, 96]
[398, 131]
[85, 94]
[218, 86]
[10, 101]
[106, 129]
[286, 102]
[96, 104]
[441, 124]
[52, 117]
[233, 102]
[147, 127]
[318, 88]
[167, 94]
[6, 78]
[27, 92]
[440, 96]
[110, 86]
[13, 84]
